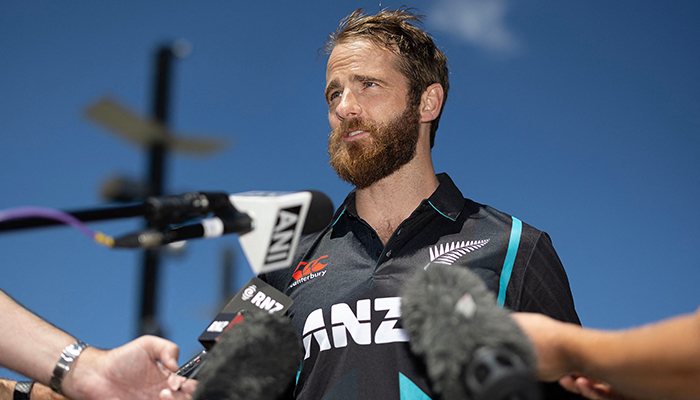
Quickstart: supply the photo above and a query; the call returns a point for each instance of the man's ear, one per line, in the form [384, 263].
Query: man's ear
[431, 102]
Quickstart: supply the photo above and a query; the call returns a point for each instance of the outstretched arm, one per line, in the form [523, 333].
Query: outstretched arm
[656, 360]
[141, 369]
[29, 345]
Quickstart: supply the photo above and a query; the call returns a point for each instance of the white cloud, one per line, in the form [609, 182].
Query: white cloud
[478, 22]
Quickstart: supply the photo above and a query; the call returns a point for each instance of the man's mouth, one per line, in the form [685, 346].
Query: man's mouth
[351, 134]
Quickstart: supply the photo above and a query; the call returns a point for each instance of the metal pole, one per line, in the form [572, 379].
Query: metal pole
[149, 323]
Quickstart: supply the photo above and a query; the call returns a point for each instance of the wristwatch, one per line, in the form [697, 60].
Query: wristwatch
[68, 356]
[22, 390]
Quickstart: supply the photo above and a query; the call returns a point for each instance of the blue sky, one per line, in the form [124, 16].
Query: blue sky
[581, 119]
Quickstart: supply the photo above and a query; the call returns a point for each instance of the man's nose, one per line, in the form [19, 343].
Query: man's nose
[349, 106]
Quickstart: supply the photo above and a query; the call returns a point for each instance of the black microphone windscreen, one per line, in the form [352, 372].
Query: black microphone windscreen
[320, 212]
[450, 318]
[256, 359]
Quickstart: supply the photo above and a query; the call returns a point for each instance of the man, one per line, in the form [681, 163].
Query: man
[141, 369]
[660, 360]
[386, 84]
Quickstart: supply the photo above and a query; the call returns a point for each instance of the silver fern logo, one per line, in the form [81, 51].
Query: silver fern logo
[450, 252]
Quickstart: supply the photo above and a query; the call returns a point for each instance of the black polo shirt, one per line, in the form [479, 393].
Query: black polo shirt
[346, 285]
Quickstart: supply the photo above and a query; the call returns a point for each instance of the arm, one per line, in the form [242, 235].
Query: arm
[656, 360]
[24, 334]
[141, 369]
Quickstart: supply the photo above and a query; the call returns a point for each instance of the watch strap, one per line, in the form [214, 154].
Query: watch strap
[22, 390]
[68, 356]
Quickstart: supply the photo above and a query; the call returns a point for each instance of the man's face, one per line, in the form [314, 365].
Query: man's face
[374, 131]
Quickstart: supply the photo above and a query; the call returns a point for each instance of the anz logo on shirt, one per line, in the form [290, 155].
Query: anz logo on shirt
[345, 324]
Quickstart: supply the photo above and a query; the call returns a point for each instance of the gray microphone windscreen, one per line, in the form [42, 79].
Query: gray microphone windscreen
[256, 359]
[451, 317]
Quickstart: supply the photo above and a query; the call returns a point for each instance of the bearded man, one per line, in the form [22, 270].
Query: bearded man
[386, 85]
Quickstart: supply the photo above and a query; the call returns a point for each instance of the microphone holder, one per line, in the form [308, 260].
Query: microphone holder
[159, 211]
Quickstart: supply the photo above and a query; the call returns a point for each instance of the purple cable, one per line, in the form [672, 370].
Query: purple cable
[48, 213]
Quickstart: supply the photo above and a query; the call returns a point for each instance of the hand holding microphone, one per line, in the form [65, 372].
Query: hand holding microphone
[472, 348]
[251, 349]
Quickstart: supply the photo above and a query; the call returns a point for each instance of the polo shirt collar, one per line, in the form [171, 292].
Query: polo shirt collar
[446, 200]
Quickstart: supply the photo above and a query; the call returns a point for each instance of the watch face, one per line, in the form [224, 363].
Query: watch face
[75, 349]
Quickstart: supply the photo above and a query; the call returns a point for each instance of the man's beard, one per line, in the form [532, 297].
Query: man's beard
[389, 147]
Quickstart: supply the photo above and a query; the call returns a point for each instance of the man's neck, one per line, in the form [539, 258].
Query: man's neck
[387, 203]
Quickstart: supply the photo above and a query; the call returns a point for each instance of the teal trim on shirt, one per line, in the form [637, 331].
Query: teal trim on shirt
[337, 219]
[409, 390]
[516, 230]
[440, 212]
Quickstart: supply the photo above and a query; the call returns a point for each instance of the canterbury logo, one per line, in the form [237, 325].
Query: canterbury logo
[451, 252]
[308, 270]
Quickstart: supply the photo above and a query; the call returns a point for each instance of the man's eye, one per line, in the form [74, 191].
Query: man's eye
[370, 84]
[333, 96]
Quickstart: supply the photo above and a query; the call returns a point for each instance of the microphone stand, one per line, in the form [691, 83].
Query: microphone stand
[159, 212]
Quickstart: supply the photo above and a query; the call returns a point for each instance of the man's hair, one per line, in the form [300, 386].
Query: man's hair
[419, 60]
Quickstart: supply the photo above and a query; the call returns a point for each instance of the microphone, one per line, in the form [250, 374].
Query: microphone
[269, 224]
[257, 359]
[256, 296]
[279, 220]
[207, 228]
[471, 347]
[174, 209]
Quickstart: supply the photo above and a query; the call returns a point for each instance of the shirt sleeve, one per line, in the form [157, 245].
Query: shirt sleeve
[539, 283]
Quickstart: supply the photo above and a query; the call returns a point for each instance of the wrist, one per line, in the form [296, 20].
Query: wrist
[65, 363]
[564, 346]
[580, 350]
[82, 377]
